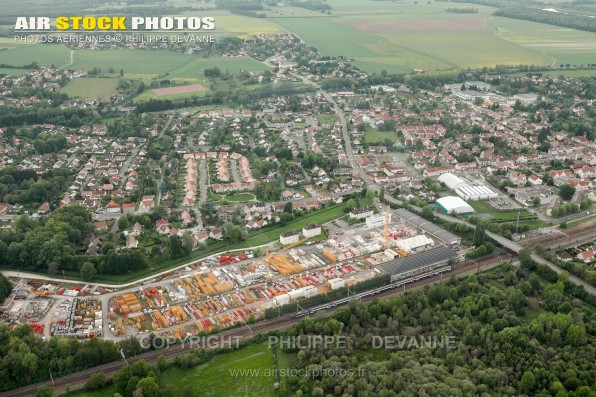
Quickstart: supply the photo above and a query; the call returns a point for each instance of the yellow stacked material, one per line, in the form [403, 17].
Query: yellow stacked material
[179, 313]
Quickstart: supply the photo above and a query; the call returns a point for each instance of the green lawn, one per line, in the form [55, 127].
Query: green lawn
[90, 87]
[330, 119]
[372, 135]
[240, 197]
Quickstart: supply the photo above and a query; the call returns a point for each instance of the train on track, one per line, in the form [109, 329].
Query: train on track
[365, 294]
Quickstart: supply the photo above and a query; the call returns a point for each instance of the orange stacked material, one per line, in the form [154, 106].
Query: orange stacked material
[283, 265]
[160, 319]
[329, 256]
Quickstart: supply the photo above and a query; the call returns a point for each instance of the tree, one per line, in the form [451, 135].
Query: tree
[528, 382]
[351, 205]
[234, 233]
[87, 271]
[479, 235]
[288, 206]
[162, 363]
[370, 195]
[52, 268]
[566, 191]
[427, 212]
[149, 386]
[536, 201]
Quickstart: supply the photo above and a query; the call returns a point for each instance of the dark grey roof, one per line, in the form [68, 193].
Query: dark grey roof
[428, 227]
[412, 262]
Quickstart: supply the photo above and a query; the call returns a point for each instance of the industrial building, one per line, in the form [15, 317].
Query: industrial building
[413, 265]
[454, 205]
[427, 227]
[415, 244]
[311, 231]
[467, 190]
[289, 238]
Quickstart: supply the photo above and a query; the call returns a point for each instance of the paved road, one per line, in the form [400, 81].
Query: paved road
[348, 143]
[235, 172]
[203, 181]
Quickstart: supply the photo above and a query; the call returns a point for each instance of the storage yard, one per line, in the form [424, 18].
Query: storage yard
[228, 289]
[225, 290]
[79, 318]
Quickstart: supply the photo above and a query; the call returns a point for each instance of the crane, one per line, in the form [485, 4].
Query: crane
[386, 231]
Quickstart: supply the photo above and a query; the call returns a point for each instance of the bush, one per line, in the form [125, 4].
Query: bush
[96, 381]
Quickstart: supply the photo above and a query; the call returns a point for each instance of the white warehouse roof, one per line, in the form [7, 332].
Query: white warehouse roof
[451, 180]
[452, 204]
[413, 243]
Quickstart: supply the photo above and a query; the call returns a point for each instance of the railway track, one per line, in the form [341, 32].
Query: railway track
[78, 379]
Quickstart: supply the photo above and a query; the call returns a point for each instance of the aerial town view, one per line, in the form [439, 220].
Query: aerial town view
[298, 198]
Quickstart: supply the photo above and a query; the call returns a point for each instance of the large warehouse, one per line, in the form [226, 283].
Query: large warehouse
[467, 190]
[413, 265]
[436, 232]
[454, 205]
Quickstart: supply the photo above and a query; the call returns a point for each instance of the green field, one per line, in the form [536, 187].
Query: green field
[194, 71]
[135, 63]
[563, 45]
[90, 87]
[219, 377]
[401, 37]
[216, 378]
[13, 71]
[43, 54]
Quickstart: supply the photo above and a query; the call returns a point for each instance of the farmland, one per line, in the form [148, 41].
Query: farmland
[401, 37]
[375, 35]
[45, 55]
[90, 87]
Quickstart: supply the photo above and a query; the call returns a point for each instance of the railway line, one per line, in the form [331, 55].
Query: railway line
[78, 379]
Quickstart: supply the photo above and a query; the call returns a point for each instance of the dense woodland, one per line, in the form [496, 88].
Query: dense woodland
[516, 335]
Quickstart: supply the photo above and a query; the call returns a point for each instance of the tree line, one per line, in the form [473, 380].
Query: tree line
[573, 21]
[499, 350]
[5, 287]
